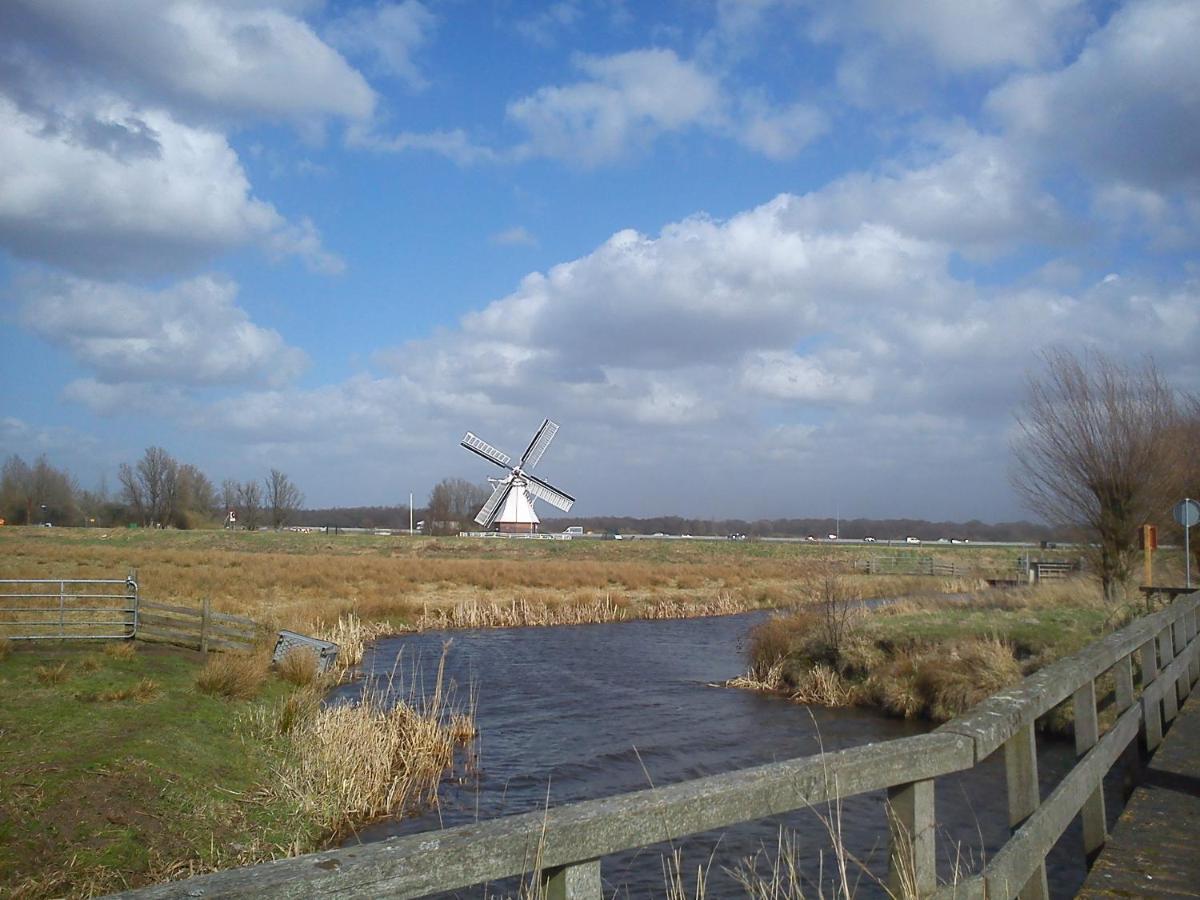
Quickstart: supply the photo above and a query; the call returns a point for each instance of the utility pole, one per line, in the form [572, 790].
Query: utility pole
[410, 513]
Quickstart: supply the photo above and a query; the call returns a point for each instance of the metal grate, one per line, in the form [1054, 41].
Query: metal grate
[326, 651]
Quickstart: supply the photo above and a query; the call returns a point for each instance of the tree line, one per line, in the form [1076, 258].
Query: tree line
[155, 491]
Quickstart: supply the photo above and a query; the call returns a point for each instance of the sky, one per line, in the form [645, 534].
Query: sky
[769, 258]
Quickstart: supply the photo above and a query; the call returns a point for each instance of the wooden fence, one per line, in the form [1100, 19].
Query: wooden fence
[202, 628]
[565, 845]
[908, 565]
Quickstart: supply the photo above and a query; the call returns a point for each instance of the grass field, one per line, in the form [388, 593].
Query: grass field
[303, 581]
[125, 764]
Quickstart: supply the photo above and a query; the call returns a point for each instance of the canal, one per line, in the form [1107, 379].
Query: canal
[580, 712]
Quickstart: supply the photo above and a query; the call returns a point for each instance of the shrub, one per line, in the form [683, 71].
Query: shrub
[234, 675]
[941, 682]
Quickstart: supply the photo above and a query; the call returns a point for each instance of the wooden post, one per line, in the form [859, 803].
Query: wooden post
[1123, 695]
[1024, 797]
[912, 868]
[1149, 545]
[1194, 669]
[1179, 633]
[577, 882]
[1087, 733]
[1151, 709]
[205, 611]
[1166, 653]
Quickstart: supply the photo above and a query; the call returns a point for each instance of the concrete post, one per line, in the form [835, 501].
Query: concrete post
[912, 868]
[1087, 733]
[578, 882]
[1024, 797]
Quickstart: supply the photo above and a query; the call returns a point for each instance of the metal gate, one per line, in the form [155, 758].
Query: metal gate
[33, 609]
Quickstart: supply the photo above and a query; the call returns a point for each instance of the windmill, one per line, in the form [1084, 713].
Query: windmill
[510, 507]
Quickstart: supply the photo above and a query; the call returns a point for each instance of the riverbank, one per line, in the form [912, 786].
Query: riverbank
[925, 657]
[400, 583]
[130, 764]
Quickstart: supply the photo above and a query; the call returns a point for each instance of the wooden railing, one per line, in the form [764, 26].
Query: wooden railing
[200, 628]
[566, 844]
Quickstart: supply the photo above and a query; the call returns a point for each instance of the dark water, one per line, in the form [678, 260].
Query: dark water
[575, 713]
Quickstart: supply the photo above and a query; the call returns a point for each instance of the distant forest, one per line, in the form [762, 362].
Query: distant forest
[396, 517]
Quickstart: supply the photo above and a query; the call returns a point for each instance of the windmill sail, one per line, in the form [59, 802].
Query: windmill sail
[538, 445]
[488, 514]
[548, 492]
[486, 450]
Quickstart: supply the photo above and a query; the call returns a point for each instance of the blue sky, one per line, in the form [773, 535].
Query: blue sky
[760, 258]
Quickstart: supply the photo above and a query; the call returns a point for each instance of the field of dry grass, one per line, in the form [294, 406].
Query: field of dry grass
[309, 581]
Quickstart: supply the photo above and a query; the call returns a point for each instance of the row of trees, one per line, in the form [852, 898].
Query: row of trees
[155, 491]
[1105, 448]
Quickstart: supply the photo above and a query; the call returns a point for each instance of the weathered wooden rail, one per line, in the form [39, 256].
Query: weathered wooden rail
[202, 628]
[565, 845]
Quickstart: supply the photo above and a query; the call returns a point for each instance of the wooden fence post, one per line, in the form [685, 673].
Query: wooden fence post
[205, 611]
[1123, 695]
[1024, 797]
[1194, 668]
[1166, 653]
[580, 881]
[1087, 733]
[912, 865]
[1152, 729]
[1183, 683]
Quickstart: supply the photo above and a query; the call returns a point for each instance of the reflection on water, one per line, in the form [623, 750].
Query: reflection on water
[575, 713]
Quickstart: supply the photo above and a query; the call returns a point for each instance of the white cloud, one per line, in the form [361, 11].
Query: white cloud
[219, 58]
[892, 56]
[389, 34]
[189, 335]
[455, 145]
[110, 188]
[517, 236]
[780, 133]
[1127, 108]
[628, 100]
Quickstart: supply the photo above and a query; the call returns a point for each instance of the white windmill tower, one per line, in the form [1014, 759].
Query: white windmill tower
[510, 507]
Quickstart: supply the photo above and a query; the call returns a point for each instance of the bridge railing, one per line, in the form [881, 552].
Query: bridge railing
[565, 845]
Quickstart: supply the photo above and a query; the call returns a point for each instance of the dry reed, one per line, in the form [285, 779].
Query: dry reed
[350, 763]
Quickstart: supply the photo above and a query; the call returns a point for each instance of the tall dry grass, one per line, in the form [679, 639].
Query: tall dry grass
[5, 647]
[941, 681]
[349, 763]
[235, 676]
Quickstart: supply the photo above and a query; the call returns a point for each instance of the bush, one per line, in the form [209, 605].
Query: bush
[941, 682]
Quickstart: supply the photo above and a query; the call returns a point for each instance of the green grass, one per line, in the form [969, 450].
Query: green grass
[98, 794]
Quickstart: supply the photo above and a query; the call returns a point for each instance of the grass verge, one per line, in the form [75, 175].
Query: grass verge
[118, 770]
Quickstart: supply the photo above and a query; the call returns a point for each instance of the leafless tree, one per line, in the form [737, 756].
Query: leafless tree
[151, 488]
[37, 493]
[453, 503]
[282, 498]
[1094, 452]
[249, 505]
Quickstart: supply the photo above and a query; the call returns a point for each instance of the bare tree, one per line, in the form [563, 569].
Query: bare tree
[1094, 453]
[453, 503]
[37, 493]
[249, 505]
[229, 496]
[282, 498]
[151, 488]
